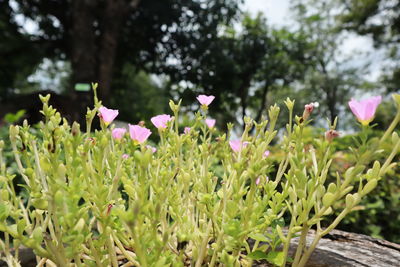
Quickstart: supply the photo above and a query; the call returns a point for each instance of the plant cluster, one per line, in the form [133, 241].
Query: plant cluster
[108, 198]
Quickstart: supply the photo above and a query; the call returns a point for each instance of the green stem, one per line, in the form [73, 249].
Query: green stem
[318, 236]
[287, 243]
[301, 245]
[203, 247]
[390, 158]
[391, 127]
[111, 247]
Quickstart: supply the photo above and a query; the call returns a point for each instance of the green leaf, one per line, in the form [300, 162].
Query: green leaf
[276, 257]
[257, 255]
[259, 237]
[4, 211]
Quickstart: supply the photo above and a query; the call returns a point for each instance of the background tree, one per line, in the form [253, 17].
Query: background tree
[240, 67]
[332, 77]
[380, 20]
[99, 36]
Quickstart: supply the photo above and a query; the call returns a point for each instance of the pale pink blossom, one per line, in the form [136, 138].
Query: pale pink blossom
[118, 133]
[160, 121]
[237, 145]
[365, 110]
[210, 123]
[125, 156]
[152, 148]
[205, 99]
[266, 153]
[139, 133]
[186, 130]
[107, 115]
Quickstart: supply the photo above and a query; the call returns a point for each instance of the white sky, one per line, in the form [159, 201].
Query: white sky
[276, 11]
[278, 14]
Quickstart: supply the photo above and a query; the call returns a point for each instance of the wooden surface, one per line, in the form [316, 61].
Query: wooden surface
[338, 249]
[348, 249]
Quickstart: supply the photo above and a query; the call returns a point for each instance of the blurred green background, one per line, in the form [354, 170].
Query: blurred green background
[249, 54]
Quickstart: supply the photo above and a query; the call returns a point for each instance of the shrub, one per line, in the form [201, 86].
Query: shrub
[106, 198]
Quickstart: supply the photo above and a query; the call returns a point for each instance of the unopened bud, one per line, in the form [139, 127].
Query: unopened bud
[14, 131]
[307, 111]
[75, 129]
[331, 134]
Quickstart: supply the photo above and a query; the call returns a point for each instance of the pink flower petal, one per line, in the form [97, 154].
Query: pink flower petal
[237, 145]
[107, 115]
[205, 99]
[118, 133]
[139, 133]
[210, 123]
[365, 110]
[160, 121]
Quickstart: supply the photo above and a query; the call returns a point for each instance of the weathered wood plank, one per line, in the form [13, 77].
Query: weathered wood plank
[338, 249]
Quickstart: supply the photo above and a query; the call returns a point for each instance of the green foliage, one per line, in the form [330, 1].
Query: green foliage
[12, 118]
[137, 95]
[377, 215]
[89, 198]
[379, 19]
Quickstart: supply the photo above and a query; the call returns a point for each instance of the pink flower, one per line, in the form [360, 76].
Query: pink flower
[205, 99]
[186, 130]
[107, 115]
[237, 145]
[210, 123]
[138, 133]
[365, 109]
[160, 121]
[152, 148]
[125, 156]
[118, 133]
[266, 153]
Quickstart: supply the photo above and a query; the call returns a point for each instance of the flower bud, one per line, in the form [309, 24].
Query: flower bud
[289, 103]
[14, 131]
[75, 129]
[307, 111]
[331, 134]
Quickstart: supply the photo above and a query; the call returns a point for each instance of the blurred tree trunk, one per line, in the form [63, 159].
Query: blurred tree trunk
[83, 53]
[114, 16]
[94, 39]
